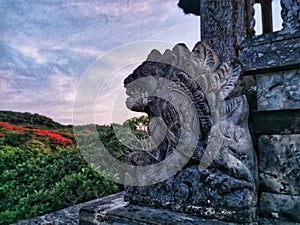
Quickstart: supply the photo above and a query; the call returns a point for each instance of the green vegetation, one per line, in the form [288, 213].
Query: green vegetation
[41, 169]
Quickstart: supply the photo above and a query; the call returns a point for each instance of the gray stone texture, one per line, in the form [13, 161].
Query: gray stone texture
[280, 206]
[290, 14]
[268, 51]
[67, 216]
[114, 211]
[279, 163]
[278, 90]
[275, 222]
[225, 188]
[224, 24]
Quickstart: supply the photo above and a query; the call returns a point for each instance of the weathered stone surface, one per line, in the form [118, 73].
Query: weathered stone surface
[219, 177]
[113, 210]
[96, 212]
[279, 163]
[275, 222]
[290, 15]
[270, 51]
[276, 122]
[280, 206]
[203, 201]
[69, 216]
[224, 24]
[277, 91]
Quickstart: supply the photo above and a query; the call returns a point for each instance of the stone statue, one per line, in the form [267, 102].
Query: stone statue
[197, 110]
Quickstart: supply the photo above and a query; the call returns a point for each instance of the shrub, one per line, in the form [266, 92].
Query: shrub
[15, 139]
[36, 145]
[54, 137]
[35, 180]
[8, 126]
[34, 183]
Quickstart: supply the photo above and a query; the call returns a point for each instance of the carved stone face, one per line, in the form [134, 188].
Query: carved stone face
[141, 88]
[137, 97]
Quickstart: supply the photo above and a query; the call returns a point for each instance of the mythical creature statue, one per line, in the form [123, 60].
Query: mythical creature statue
[185, 94]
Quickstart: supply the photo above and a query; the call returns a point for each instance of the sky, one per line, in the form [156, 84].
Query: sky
[47, 47]
[277, 21]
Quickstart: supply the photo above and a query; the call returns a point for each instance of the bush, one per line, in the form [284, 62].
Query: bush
[15, 139]
[41, 171]
[34, 183]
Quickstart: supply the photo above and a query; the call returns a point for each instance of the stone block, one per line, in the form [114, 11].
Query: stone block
[270, 51]
[280, 206]
[278, 91]
[279, 163]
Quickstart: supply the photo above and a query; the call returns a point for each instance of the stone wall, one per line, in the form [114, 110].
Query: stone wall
[274, 60]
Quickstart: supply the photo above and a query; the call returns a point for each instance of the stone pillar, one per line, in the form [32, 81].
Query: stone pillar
[290, 15]
[275, 60]
[225, 23]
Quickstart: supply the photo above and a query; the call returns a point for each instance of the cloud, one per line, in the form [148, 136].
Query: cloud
[33, 53]
[46, 46]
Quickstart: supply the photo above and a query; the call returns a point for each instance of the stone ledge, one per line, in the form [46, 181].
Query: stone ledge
[117, 212]
[113, 210]
[69, 216]
[280, 206]
[270, 55]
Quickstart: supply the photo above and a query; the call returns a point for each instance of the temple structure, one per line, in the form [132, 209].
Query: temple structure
[262, 71]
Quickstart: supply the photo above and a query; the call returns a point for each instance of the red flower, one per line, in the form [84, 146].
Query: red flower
[54, 137]
[10, 127]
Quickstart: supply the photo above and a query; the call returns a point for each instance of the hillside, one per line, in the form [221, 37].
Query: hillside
[28, 119]
[42, 169]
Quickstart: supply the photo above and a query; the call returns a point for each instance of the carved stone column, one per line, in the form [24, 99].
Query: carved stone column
[225, 23]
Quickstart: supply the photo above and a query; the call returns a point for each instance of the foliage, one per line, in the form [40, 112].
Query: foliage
[41, 169]
[138, 124]
[112, 144]
[29, 120]
[54, 137]
[34, 183]
[8, 126]
[15, 139]
[36, 145]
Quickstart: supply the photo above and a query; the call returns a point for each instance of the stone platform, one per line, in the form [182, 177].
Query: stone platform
[113, 210]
